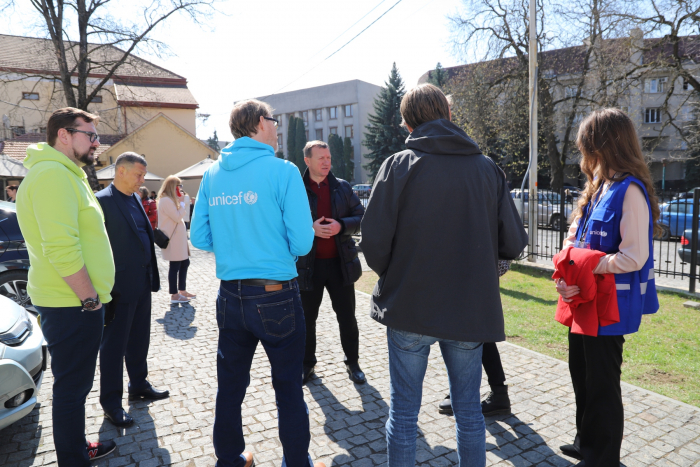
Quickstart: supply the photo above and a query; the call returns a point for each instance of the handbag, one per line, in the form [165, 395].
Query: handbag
[161, 239]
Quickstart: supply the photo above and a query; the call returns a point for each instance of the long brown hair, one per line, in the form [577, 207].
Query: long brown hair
[608, 142]
[168, 188]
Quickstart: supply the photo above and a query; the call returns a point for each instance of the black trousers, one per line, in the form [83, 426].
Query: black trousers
[178, 270]
[595, 365]
[491, 360]
[328, 275]
[126, 340]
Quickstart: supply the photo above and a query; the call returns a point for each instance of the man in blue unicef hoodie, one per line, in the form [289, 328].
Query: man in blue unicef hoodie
[253, 213]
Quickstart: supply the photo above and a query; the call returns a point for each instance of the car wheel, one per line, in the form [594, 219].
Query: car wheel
[665, 233]
[13, 285]
[555, 222]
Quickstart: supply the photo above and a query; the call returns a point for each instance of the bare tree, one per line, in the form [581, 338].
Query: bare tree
[573, 54]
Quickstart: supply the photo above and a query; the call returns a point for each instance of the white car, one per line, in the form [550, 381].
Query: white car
[23, 358]
[548, 208]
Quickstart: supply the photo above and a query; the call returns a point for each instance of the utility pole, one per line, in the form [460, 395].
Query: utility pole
[533, 205]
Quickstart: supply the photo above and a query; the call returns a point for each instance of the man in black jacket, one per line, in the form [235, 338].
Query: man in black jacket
[127, 332]
[332, 263]
[439, 219]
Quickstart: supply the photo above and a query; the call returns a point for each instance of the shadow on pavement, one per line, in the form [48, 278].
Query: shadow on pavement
[534, 449]
[177, 321]
[362, 432]
[140, 440]
[22, 440]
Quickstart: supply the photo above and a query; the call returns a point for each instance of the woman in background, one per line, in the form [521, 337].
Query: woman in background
[171, 206]
[149, 206]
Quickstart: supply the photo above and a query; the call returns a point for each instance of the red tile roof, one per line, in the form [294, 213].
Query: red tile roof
[16, 148]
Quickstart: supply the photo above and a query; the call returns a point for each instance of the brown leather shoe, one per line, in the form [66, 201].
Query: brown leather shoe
[319, 464]
[249, 462]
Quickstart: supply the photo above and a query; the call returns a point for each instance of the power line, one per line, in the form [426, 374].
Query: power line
[341, 48]
[343, 33]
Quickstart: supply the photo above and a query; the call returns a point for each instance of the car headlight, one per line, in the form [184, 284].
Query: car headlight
[19, 332]
[19, 399]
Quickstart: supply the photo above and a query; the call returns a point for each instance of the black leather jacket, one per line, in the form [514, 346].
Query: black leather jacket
[346, 209]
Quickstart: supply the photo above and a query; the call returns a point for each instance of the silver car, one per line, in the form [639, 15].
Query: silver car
[23, 358]
[548, 208]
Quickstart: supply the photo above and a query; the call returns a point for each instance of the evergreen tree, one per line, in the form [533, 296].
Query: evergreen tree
[291, 139]
[348, 160]
[213, 142]
[438, 76]
[300, 142]
[335, 144]
[385, 135]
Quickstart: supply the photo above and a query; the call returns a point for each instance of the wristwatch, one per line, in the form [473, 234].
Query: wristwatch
[90, 304]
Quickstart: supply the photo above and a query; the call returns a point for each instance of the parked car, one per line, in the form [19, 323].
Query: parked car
[362, 190]
[684, 246]
[686, 195]
[14, 259]
[548, 208]
[23, 355]
[675, 217]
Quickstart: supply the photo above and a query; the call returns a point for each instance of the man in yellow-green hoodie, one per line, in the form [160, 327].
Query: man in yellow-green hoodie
[71, 273]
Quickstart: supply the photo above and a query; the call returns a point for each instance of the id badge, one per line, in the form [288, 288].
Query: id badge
[582, 244]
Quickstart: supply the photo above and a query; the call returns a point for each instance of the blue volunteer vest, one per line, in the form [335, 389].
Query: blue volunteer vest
[636, 290]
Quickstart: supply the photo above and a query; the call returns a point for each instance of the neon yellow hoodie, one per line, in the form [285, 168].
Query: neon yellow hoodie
[63, 228]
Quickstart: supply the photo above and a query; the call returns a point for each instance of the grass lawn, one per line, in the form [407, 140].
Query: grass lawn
[661, 357]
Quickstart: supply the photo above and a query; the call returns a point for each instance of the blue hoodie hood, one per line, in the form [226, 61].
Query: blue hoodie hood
[252, 211]
[243, 151]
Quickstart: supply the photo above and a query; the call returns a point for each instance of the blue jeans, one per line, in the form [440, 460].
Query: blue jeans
[408, 360]
[73, 338]
[245, 315]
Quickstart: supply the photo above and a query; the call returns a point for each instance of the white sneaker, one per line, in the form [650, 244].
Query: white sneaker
[180, 299]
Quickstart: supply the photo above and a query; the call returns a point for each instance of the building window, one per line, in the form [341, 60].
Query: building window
[279, 119]
[333, 130]
[305, 117]
[348, 110]
[319, 135]
[97, 99]
[319, 115]
[332, 113]
[30, 96]
[655, 85]
[279, 141]
[18, 130]
[348, 131]
[652, 115]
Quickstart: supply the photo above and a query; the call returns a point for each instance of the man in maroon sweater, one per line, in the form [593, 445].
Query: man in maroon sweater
[332, 263]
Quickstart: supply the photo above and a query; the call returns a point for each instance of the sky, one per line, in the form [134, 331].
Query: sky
[252, 49]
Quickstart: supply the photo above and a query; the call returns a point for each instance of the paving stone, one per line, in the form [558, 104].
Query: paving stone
[347, 421]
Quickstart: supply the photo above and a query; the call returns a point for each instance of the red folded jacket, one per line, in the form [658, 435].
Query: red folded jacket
[596, 304]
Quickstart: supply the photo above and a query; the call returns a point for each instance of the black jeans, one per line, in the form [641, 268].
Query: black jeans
[126, 340]
[178, 270]
[491, 360]
[595, 366]
[74, 339]
[327, 274]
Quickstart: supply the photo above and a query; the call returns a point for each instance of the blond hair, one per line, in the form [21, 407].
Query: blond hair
[167, 189]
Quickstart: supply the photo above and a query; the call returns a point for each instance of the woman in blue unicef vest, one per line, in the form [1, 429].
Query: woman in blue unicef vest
[616, 214]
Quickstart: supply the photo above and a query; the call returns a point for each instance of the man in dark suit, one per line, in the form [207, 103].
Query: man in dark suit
[127, 330]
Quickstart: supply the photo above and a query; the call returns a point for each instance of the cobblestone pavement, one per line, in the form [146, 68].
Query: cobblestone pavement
[347, 420]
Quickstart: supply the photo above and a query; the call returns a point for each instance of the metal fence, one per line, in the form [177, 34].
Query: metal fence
[672, 249]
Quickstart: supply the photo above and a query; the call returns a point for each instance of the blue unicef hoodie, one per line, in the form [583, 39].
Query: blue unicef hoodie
[252, 211]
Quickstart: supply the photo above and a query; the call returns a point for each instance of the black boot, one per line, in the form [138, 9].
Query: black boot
[497, 402]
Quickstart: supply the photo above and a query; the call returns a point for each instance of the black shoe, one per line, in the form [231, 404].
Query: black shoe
[307, 374]
[97, 450]
[150, 394]
[445, 406]
[571, 450]
[497, 402]
[119, 418]
[356, 374]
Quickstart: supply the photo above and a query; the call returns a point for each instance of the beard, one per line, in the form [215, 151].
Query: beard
[87, 158]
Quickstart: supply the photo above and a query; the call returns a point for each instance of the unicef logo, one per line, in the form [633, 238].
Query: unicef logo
[250, 197]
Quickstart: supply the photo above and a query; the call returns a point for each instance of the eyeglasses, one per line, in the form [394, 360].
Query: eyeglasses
[93, 136]
[276, 122]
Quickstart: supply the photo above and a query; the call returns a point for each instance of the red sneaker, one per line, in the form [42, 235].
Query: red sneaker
[97, 450]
